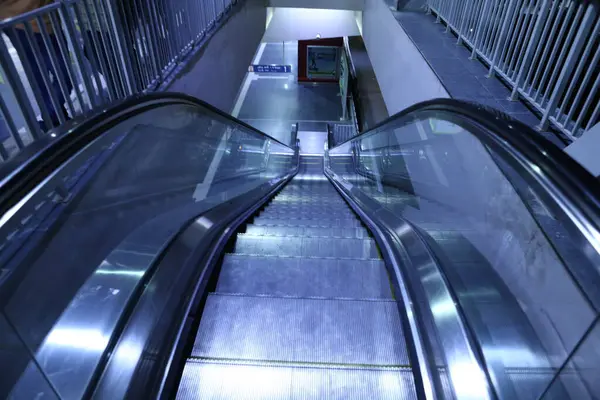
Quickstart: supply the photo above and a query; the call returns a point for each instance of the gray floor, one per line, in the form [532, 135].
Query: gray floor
[464, 78]
[273, 102]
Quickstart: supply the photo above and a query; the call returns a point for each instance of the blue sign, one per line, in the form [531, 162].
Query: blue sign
[272, 68]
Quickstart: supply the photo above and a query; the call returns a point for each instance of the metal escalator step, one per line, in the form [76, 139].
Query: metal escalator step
[330, 191]
[304, 277]
[234, 381]
[318, 185]
[308, 213]
[358, 233]
[346, 223]
[302, 189]
[300, 246]
[300, 330]
[307, 200]
[309, 194]
[341, 209]
[314, 182]
[291, 206]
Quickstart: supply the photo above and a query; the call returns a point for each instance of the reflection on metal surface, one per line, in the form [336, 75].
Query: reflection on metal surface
[204, 222]
[444, 308]
[78, 338]
[311, 178]
[468, 380]
[466, 375]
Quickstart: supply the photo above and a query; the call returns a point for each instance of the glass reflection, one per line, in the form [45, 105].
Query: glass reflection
[512, 279]
[83, 240]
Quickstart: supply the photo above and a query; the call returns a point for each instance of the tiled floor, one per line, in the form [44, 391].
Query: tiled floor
[273, 102]
[463, 78]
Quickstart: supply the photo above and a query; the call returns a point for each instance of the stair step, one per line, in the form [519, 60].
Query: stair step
[299, 246]
[357, 233]
[213, 380]
[299, 330]
[304, 277]
[325, 208]
[309, 213]
[346, 223]
[308, 200]
[323, 184]
[304, 193]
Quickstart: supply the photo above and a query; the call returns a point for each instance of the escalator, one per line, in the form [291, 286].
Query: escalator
[303, 307]
[164, 249]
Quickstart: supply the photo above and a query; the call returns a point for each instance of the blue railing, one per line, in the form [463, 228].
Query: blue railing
[77, 56]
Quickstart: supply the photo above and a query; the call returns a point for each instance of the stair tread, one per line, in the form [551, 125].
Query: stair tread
[262, 221]
[213, 380]
[306, 246]
[304, 277]
[301, 330]
[307, 231]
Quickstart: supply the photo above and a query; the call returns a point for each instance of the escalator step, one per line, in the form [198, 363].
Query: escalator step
[303, 277]
[346, 223]
[300, 246]
[306, 193]
[308, 213]
[358, 233]
[307, 200]
[306, 187]
[213, 380]
[299, 330]
[295, 207]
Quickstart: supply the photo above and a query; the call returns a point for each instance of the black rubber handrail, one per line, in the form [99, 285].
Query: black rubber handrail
[20, 175]
[520, 142]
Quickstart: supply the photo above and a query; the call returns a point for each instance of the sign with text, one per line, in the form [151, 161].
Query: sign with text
[270, 68]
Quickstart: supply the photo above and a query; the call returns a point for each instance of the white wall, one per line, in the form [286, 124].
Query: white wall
[584, 150]
[324, 4]
[302, 23]
[404, 76]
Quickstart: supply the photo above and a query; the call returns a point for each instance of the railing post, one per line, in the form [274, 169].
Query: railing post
[16, 85]
[568, 66]
[480, 28]
[123, 46]
[531, 46]
[66, 59]
[461, 29]
[502, 36]
[12, 128]
[71, 36]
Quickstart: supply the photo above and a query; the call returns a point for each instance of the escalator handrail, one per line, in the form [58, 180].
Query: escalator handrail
[383, 231]
[561, 176]
[24, 172]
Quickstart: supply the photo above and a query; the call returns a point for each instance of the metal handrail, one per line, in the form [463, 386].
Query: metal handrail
[547, 51]
[554, 169]
[73, 57]
[18, 177]
[48, 167]
[561, 179]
